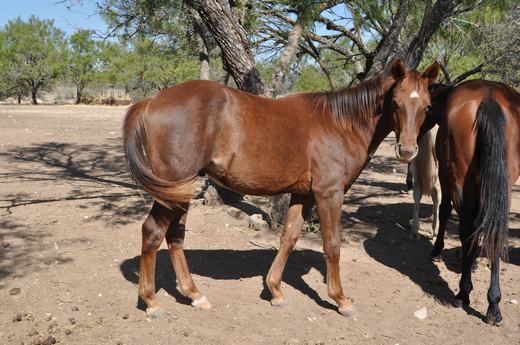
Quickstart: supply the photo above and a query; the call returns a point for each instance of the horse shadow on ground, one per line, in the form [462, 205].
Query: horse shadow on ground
[391, 247]
[226, 264]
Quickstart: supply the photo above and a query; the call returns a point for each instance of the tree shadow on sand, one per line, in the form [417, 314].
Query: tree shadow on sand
[226, 264]
[93, 173]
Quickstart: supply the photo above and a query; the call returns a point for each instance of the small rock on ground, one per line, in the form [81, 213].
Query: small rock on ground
[421, 314]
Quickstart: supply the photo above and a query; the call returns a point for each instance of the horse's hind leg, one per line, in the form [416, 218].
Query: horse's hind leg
[469, 251]
[435, 208]
[445, 209]
[175, 241]
[417, 195]
[298, 208]
[154, 229]
[494, 296]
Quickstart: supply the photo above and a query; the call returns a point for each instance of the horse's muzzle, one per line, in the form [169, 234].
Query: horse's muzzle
[405, 153]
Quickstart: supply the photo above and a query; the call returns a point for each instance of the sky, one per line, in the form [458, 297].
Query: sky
[79, 16]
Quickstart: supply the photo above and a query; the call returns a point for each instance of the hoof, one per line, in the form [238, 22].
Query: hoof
[154, 313]
[436, 257]
[347, 311]
[494, 320]
[201, 303]
[457, 303]
[279, 302]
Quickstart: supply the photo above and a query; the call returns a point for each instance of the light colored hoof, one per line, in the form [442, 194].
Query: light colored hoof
[201, 303]
[279, 302]
[347, 311]
[154, 313]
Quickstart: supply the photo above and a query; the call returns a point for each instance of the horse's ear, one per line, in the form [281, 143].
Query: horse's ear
[398, 69]
[432, 73]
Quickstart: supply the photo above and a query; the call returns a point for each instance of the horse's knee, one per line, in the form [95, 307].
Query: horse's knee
[332, 250]
[290, 241]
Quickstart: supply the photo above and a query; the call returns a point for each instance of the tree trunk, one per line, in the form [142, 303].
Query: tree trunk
[224, 79]
[19, 98]
[388, 43]
[285, 59]
[232, 40]
[34, 94]
[202, 45]
[79, 93]
[432, 19]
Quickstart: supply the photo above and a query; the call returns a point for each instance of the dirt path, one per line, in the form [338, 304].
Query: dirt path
[70, 241]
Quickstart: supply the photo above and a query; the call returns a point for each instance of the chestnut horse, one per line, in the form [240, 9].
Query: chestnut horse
[478, 147]
[312, 145]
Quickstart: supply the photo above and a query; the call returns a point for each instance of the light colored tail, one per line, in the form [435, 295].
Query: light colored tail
[425, 165]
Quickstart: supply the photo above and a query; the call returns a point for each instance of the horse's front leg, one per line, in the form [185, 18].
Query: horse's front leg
[298, 208]
[329, 211]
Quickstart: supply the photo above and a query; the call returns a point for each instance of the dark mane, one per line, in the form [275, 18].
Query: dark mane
[351, 105]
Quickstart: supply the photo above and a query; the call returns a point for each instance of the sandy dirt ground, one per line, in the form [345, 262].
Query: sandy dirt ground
[70, 236]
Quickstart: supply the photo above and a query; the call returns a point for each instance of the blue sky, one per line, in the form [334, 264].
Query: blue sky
[80, 16]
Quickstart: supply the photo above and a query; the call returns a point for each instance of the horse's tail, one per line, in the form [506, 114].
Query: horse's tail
[493, 211]
[167, 193]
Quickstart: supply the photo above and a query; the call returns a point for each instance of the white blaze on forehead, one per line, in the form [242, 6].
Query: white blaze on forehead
[414, 94]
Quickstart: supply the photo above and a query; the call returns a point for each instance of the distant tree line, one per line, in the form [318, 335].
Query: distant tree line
[267, 47]
[35, 56]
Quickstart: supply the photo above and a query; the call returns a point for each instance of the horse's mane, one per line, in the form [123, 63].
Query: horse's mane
[350, 105]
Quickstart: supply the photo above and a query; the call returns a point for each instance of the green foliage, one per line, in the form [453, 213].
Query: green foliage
[487, 38]
[147, 67]
[33, 56]
[311, 79]
[83, 55]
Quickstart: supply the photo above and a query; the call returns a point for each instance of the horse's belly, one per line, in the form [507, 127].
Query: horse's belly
[259, 178]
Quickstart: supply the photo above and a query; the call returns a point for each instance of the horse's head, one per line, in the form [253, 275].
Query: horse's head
[408, 101]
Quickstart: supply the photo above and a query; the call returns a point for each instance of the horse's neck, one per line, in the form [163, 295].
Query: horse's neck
[439, 99]
[381, 127]
[377, 127]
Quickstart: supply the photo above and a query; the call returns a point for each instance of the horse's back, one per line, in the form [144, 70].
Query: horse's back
[249, 143]
[461, 114]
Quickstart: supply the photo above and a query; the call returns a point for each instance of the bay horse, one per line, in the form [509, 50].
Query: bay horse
[312, 145]
[478, 147]
[424, 170]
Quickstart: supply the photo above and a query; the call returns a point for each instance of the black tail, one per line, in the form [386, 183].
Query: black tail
[492, 219]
